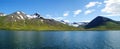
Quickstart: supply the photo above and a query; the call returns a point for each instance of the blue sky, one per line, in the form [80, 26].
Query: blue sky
[68, 10]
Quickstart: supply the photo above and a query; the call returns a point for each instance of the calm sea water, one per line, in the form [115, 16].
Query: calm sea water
[59, 39]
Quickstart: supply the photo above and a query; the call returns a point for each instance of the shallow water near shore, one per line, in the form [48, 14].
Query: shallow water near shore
[59, 39]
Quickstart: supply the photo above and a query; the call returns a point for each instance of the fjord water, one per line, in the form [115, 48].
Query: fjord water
[59, 39]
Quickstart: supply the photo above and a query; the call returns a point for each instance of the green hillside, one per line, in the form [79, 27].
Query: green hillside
[103, 23]
[99, 23]
[32, 24]
[107, 26]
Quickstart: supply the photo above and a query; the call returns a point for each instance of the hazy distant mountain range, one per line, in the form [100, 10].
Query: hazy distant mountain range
[21, 21]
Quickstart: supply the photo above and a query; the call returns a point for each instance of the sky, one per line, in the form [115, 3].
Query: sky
[67, 10]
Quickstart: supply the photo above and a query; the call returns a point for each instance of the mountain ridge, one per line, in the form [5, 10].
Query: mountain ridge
[20, 21]
[101, 22]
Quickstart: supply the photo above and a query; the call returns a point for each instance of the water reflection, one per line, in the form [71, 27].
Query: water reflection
[29, 39]
[59, 39]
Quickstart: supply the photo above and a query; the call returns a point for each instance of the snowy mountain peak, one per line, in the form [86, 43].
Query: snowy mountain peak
[19, 12]
[35, 15]
[2, 14]
[18, 15]
[31, 16]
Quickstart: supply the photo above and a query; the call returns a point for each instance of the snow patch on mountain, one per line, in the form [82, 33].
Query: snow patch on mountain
[2, 14]
[18, 12]
[31, 16]
[21, 16]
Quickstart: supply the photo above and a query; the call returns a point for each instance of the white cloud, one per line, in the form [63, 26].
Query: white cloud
[77, 12]
[110, 15]
[112, 7]
[88, 12]
[92, 4]
[85, 20]
[66, 13]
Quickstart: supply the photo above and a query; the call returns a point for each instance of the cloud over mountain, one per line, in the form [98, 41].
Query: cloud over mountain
[77, 12]
[88, 12]
[92, 4]
[112, 7]
[66, 13]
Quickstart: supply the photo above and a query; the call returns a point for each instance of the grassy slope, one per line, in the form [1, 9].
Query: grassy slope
[37, 25]
[32, 25]
[107, 26]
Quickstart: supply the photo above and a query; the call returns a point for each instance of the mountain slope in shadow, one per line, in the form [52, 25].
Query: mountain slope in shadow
[101, 22]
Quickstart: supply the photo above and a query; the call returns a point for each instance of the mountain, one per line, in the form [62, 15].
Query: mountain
[18, 15]
[74, 24]
[2, 14]
[102, 23]
[35, 15]
[20, 21]
[79, 24]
